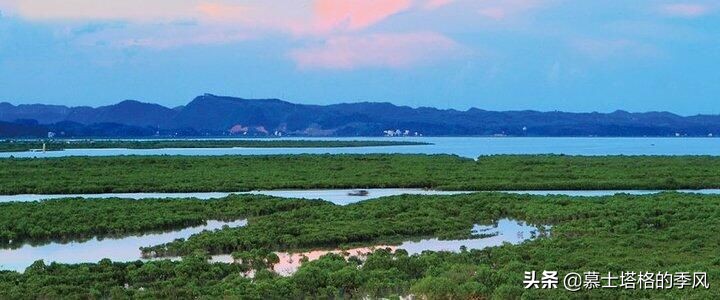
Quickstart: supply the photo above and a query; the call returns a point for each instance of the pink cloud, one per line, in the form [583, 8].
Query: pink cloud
[354, 14]
[434, 4]
[503, 9]
[222, 12]
[308, 17]
[686, 10]
[227, 21]
[377, 50]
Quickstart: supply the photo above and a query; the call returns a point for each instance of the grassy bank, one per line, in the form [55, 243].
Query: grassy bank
[238, 173]
[669, 232]
[55, 145]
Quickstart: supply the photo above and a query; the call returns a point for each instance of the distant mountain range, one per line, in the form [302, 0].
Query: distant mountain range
[211, 115]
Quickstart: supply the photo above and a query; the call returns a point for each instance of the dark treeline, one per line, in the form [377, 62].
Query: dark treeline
[77, 219]
[238, 173]
[668, 232]
[54, 145]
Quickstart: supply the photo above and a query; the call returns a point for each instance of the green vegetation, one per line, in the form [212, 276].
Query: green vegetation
[77, 219]
[377, 221]
[669, 232]
[55, 145]
[239, 173]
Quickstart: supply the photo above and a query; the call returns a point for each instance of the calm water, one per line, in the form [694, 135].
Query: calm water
[127, 248]
[504, 231]
[600, 193]
[94, 250]
[508, 231]
[342, 197]
[339, 197]
[471, 147]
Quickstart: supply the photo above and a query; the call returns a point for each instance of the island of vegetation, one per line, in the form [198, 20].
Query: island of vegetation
[70, 175]
[56, 145]
[78, 219]
[667, 232]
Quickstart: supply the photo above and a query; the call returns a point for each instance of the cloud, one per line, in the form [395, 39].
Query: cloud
[230, 21]
[300, 18]
[377, 50]
[222, 11]
[168, 41]
[93, 10]
[502, 9]
[157, 24]
[434, 4]
[332, 15]
[156, 36]
[323, 15]
[93, 28]
[685, 10]
[308, 15]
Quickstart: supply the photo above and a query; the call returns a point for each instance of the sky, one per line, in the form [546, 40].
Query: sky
[546, 55]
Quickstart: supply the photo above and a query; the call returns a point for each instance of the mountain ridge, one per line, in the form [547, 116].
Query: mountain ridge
[212, 115]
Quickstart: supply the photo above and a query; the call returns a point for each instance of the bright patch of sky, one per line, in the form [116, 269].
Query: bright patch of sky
[491, 54]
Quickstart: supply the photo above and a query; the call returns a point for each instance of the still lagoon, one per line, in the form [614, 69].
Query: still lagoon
[128, 248]
[117, 249]
[336, 196]
[470, 147]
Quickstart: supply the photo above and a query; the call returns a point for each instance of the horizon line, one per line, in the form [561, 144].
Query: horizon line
[618, 110]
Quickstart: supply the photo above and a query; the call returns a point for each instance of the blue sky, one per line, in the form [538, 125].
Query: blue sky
[491, 54]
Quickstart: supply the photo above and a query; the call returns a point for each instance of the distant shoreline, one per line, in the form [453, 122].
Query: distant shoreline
[59, 145]
[212, 115]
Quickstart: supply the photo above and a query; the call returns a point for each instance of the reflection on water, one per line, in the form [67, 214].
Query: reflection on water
[340, 197]
[290, 262]
[94, 250]
[136, 196]
[504, 231]
[343, 197]
[128, 248]
[471, 147]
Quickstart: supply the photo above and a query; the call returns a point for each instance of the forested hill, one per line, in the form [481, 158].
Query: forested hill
[223, 116]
